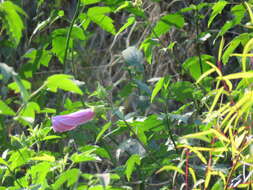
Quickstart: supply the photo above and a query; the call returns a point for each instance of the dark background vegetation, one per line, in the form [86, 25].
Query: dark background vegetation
[162, 121]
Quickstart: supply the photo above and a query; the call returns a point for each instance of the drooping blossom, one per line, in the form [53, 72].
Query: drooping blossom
[69, 122]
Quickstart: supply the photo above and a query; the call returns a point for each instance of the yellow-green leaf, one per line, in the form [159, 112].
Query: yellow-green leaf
[157, 88]
[64, 82]
[237, 76]
[44, 157]
[174, 168]
[5, 109]
[221, 48]
[250, 12]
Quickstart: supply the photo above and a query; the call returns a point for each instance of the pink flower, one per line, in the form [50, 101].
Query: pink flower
[68, 122]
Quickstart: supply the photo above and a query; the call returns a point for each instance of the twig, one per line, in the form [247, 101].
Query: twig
[130, 34]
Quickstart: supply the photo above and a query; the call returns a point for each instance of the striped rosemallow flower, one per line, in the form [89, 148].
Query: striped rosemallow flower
[62, 123]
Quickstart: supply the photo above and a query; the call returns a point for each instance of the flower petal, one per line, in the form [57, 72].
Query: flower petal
[68, 122]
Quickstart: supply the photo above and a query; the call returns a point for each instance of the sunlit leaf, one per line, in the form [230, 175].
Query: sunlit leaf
[5, 109]
[194, 64]
[14, 86]
[247, 48]
[240, 39]
[105, 127]
[13, 20]
[130, 165]
[174, 168]
[66, 83]
[249, 11]
[237, 76]
[216, 9]
[158, 87]
[204, 75]
[84, 157]
[216, 98]
[221, 149]
[51, 137]
[89, 2]
[28, 113]
[238, 12]
[129, 22]
[2, 161]
[97, 15]
[166, 22]
[207, 178]
[44, 157]
[221, 48]
[8, 72]
[69, 176]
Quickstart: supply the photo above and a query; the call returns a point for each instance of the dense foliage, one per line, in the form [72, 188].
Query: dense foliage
[170, 82]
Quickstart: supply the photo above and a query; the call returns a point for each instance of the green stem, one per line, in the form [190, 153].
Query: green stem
[69, 34]
[168, 126]
[197, 41]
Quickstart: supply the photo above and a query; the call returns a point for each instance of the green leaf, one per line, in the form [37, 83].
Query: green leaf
[84, 157]
[97, 15]
[147, 45]
[157, 88]
[77, 33]
[217, 9]
[48, 110]
[104, 128]
[19, 158]
[130, 21]
[39, 172]
[14, 86]
[166, 22]
[38, 57]
[237, 76]
[45, 23]
[8, 72]
[218, 93]
[44, 157]
[24, 93]
[5, 109]
[96, 150]
[247, 48]
[215, 133]
[130, 165]
[249, 11]
[89, 2]
[12, 20]
[240, 39]
[28, 113]
[3, 162]
[182, 91]
[124, 5]
[60, 40]
[218, 185]
[50, 137]
[192, 65]
[70, 176]
[174, 168]
[238, 12]
[63, 82]
[85, 20]
[221, 48]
